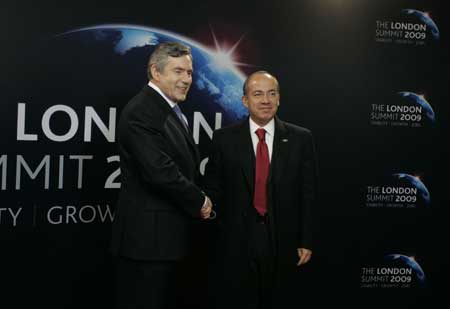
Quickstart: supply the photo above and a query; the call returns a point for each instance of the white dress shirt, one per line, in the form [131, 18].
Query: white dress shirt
[270, 132]
[156, 88]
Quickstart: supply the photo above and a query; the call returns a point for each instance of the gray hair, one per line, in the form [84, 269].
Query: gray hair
[162, 52]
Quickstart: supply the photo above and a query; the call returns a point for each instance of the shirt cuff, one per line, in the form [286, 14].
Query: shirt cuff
[205, 202]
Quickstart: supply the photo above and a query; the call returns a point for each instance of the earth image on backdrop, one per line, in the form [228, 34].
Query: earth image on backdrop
[403, 260]
[412, 181]
[108, 63]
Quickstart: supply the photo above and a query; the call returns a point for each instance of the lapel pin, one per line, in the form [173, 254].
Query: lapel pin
[285, 140]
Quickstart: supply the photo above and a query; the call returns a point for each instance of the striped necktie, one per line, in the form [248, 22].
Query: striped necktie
[180, 115]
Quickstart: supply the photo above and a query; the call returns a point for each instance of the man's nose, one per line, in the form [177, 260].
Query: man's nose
[186, 78]
[265, 98]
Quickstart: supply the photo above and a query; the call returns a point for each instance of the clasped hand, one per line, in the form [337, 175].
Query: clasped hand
[206, 211]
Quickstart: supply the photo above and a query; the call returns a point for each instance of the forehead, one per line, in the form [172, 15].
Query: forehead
[262, 82]
[184, 62]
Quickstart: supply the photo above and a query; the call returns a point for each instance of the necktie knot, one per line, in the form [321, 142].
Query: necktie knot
[261, 133]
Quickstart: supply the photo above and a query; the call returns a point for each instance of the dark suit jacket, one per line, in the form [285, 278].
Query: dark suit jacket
[229, 181]
[159, 167]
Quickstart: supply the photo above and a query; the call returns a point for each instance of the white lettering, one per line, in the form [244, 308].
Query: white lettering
[21, 162]
[199, 120]
[3, 164]
[82, 210]
[85, 214]
[49, 213]
[103, 215]
[61, 172]
[109, 132]
[21, 135]
[15, 215]
[80, 159]
[73, 123]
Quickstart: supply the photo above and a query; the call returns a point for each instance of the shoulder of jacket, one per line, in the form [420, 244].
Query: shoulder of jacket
[143, 108]
[227, 131]
[296, 129]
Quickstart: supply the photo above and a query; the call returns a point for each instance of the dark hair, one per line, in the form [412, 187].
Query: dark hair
[162, 52]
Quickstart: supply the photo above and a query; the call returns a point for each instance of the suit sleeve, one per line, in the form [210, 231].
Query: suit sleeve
[146, 146]
[309, 191]
[212, 182]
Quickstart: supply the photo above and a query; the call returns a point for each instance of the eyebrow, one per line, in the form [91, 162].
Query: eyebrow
[183, 69]
[270, 90]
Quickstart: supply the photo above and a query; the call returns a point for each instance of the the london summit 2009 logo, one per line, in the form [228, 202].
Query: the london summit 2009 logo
[409, 26]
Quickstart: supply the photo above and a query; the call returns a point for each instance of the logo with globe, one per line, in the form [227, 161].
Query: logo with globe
[403, 109]
[424, 18]
[398, 190]
[414, 182]
[419, 104]
[409, 263]
[393, 270]
[407, 26]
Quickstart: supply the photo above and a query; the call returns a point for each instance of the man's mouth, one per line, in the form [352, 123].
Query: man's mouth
[183, 89]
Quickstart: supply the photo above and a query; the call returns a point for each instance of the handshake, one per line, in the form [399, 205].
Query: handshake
[206, 212]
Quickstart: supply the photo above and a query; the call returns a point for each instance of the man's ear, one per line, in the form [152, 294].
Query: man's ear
[245, 101]
[155, 72]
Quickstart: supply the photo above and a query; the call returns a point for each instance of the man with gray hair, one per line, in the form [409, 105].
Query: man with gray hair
[159, 199]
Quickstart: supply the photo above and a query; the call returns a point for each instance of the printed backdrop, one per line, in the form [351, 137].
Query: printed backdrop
[369, 78]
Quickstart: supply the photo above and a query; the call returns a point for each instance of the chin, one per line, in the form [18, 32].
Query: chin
[267, 117]
[180, 99]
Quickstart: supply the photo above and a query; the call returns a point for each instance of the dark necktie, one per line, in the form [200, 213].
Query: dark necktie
[261, 173]
[177, 111]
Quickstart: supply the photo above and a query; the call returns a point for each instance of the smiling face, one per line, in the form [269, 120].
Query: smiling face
[262, 98]
[175, 78]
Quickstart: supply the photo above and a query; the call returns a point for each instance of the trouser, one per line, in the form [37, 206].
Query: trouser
[145, 284]
[261, 263]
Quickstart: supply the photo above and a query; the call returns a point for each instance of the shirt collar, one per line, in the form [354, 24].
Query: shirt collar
[269, 127]
[156, 88]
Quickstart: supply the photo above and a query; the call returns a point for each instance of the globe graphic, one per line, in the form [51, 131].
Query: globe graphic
[413, 98]
[423, 17]
[106, 65]
[410, 180]
[409, 262]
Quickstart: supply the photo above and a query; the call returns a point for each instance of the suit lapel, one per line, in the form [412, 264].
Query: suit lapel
[246, 154]
[173, 118]
[175, 122]
[187, 134]
[280, 151]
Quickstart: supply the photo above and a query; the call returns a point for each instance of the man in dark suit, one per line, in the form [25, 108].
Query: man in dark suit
[159, 199]
[261, 177]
